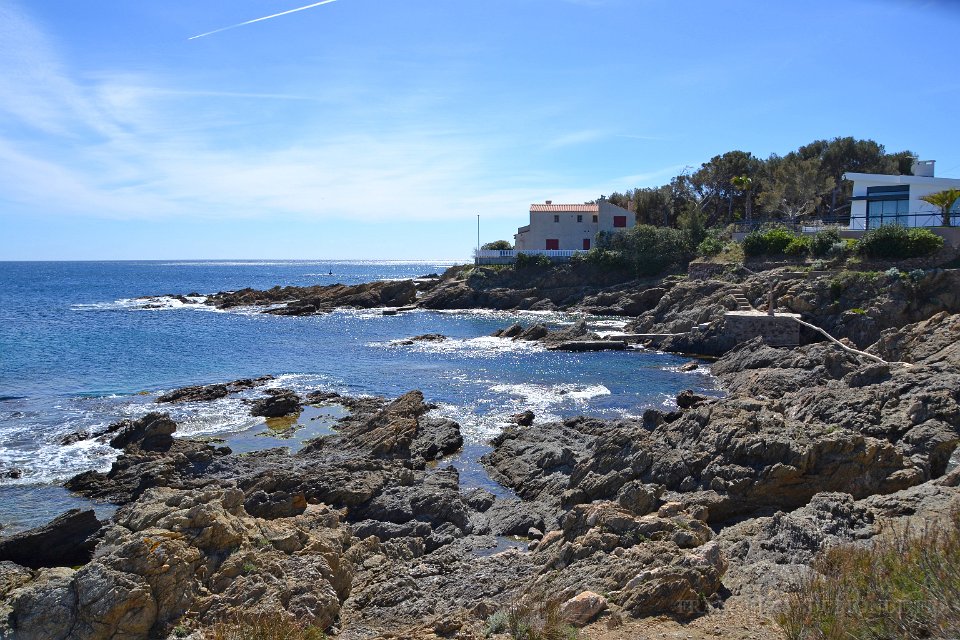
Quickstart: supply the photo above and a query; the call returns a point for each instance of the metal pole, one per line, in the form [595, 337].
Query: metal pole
[478, 239]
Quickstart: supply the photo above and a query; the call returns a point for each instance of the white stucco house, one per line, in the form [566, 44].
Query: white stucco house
[570, 227]
[880, 199]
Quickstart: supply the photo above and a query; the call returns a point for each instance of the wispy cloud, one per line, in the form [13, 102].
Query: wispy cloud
[576, 138]
[275, 15]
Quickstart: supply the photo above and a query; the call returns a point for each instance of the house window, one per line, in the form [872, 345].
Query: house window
[881, 212]
[888, 205]
[579, 218]
[556, 218]
[595, 218]
[553, 244]
[586, 244]
[620, 221]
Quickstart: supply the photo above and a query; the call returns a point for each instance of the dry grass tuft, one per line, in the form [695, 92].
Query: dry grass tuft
[905, 586]
[263, 628]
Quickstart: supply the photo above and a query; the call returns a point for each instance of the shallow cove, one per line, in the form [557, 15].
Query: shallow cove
[79, 353]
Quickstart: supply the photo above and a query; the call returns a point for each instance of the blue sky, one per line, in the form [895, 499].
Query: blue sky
[380, 129]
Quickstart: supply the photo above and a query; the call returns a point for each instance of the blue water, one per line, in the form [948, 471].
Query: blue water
[78, 351]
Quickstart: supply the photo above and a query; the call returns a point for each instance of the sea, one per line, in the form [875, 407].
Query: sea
[85, 344]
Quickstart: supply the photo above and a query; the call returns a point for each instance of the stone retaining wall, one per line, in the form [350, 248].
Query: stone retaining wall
[777, 331]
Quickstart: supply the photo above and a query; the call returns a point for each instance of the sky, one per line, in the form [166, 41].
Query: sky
[383, 128]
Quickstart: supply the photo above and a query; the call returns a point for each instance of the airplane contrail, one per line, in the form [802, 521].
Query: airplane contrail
[276, 15]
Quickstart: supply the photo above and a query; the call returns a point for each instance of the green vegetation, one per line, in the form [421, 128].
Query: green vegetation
[497, 245]
[532, 619]
[737, 185]
[896, 242]
[529, 261]
[771, 242]
[906, 585]
[943, 200]
[265, 627]
[823, 241]
[645, 249]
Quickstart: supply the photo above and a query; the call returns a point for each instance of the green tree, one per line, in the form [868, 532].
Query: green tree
[943, 200]
[497, 245]
[795, 186]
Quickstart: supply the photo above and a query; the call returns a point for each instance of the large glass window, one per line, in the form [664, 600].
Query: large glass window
[881, 212]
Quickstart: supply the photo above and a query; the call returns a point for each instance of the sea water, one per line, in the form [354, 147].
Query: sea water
[80, 350]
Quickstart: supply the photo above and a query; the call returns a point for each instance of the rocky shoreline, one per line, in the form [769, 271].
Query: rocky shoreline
[699, 514]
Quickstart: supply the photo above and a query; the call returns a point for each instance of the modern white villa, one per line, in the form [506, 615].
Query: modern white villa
[569, 227]
[885, 199]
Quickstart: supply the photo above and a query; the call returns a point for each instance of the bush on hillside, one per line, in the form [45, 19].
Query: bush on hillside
[892, 241]
[528, 261]
[771, 242]
[823, 241]
[711, 246]
[648, 250]
[798, 247]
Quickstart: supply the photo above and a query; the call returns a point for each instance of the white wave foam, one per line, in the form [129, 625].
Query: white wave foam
[545, 395]
[482, 347]
[152, 303]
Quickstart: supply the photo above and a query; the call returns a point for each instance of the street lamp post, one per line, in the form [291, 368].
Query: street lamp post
[478, 240]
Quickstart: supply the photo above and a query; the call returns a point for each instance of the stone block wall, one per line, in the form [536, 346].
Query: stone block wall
[777, 331]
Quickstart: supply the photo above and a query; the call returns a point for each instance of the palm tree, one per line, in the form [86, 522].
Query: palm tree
[745, 184]
[943, 200]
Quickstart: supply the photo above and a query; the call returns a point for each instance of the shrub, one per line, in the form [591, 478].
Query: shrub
[755, 244]
[799, 246]
[905, 585]
[924, 242]
[778, 239]
[892, 241]
[527, 261]
[538, 619]
[893, 273]
[823, 241]
[773, 242]
[648, 250]
[839, 249]
[265, 627]
[917, 275]
[497, 245]
[710, 246]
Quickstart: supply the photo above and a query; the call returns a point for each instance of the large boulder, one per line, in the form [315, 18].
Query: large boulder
[65, 541]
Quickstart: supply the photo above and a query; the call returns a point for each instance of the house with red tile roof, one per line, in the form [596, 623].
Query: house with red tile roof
[567, 227]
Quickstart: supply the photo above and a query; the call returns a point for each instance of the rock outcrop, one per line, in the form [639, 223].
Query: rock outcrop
[301, 301]
[65, 541]
[172, 552]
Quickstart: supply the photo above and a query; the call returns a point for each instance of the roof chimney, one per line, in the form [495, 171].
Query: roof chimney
[549, 201]
[923, 168]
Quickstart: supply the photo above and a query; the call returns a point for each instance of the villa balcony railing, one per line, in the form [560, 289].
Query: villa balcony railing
[812, 225]
[507, 256]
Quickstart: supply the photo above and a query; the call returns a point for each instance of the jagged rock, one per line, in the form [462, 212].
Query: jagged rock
[65, 541]
[152, 432]
[687, 399]
[523, 419]
[200, 393]
[152, 457]
[509, 332]
[75, 437]
[277, 403]
[205, 393]
[583, 608]
[647, 564]
[175, 552]
[320, 299]
[479, 499]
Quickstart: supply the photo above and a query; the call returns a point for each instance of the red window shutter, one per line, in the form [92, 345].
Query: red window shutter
[553, 244]
[619, 221]
[586, 244]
